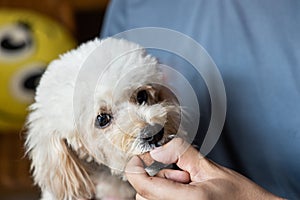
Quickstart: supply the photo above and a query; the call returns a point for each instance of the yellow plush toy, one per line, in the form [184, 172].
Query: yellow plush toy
[28, 42]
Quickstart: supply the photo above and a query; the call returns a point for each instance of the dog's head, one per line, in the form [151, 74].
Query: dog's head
[104, 101]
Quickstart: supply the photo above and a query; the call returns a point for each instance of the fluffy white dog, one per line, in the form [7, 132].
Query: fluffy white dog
[95, 107]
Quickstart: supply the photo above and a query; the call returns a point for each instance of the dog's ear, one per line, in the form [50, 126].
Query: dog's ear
[55, 170]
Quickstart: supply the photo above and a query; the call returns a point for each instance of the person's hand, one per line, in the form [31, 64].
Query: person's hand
[199, 178]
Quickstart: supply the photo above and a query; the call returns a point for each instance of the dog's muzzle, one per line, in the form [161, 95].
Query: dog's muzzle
[153, 134]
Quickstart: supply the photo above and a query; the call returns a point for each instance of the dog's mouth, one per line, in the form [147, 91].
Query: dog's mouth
[154, 136]
[156, 139]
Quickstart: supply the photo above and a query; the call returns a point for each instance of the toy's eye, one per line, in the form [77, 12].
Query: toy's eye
[103, 120]
[16, 41]
[25, 81]
[31, 82]
[142, 97]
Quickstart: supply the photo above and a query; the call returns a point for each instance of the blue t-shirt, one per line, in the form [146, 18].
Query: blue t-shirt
[256, 46]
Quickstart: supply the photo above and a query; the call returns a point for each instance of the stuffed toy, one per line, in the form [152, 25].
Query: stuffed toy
[29, 40]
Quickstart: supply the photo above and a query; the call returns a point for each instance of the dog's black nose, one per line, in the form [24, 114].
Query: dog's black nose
[153, 134]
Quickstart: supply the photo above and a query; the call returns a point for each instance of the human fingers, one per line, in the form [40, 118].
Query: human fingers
[175, 175]
[185, 156]
[154, 187]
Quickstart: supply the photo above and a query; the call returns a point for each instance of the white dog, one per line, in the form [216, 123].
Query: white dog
[95, 107]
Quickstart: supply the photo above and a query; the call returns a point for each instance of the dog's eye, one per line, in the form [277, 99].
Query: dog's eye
[142, 97]
[103, 120]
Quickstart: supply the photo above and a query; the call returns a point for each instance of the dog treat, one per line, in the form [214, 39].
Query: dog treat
[155, 167]
[152, 167]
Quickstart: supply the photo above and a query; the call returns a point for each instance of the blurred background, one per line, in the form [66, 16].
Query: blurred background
[32, 33]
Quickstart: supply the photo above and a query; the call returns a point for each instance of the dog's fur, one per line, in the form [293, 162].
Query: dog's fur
[72, 157]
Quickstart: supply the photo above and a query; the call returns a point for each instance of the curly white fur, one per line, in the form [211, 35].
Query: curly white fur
[71, 157]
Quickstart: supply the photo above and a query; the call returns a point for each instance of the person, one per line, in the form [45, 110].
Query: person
[255, 45]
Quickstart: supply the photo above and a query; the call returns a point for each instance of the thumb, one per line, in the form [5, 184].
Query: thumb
[184, 155]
